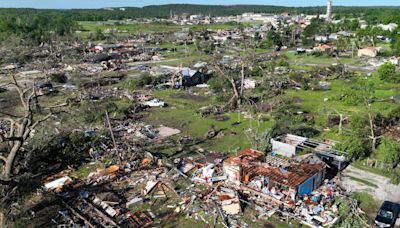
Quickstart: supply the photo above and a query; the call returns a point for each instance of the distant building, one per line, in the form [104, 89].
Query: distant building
[389, 27]
[323, 48]
[321, 39]
[363, 24]
[369, 51]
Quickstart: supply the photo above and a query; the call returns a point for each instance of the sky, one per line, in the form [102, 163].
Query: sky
[68, 4]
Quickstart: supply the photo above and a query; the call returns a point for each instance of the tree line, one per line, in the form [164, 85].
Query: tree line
[371, 14]
[35, 28]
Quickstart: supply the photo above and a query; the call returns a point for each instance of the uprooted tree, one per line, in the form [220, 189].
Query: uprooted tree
[17, 127]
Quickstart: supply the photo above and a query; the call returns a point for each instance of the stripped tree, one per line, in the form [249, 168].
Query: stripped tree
[17, 127]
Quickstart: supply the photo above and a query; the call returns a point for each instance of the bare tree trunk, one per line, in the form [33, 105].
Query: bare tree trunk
[241, 86]
[10, 159]
[20, 128]
[235, 98]
[2, 220]
[373, 136]
[340, 123]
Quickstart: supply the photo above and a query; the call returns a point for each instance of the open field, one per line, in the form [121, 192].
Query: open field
[135, 28]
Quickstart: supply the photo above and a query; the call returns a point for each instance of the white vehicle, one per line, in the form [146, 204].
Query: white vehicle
[155, 103]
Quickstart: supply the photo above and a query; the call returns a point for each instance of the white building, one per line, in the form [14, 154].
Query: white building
[389, 27]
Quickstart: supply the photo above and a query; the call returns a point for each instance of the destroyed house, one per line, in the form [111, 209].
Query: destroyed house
[105, 57]
[193, 77]
[300, 179]
[290, 180]
[233, 166]
[211, 158]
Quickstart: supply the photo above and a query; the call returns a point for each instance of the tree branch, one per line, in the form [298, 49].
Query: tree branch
[4, 85]
[57, 106]
[34, 125]
[8, 115]
[20, 92]
[4, 159]
[2, 137]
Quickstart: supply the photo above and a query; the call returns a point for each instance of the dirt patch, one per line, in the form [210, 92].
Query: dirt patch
[188, 96]
[221, 118]
[297, 100]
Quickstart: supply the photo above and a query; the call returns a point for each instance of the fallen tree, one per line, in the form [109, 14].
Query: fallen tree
[18, 127]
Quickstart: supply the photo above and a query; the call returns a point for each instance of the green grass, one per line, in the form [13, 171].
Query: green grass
[183, 115]
[366, 202]
[263, 50]
[182, 59]
[300, 67]
[313, 101]
[91, 26]
[360, 165]
[325, 60]
[83, 171]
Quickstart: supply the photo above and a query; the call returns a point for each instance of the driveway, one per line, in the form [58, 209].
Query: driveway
[381, 190]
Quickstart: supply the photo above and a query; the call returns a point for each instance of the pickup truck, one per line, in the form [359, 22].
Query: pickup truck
[387, 214]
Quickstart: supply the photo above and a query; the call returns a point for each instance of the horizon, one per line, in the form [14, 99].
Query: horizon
[99, 4]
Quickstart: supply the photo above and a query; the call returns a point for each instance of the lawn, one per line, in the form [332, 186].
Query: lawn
[182, 59]
[322, 102]
[325, 60]
[182, 113]
[91, 26]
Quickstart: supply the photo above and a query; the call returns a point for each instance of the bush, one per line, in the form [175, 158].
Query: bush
[389, 151]
[351, 97]
[59, 78]
[145, 79]
[387, 71]
[395, 176]
[218, 84]
[355, 146]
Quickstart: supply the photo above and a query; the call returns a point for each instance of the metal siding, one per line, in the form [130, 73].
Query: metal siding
[306, 187]
[283, 148]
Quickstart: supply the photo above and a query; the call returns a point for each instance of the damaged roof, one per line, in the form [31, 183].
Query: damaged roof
[292, 176]
[211, 158]
[248, 155]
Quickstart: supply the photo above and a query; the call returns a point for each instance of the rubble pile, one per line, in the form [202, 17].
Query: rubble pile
[211, 188]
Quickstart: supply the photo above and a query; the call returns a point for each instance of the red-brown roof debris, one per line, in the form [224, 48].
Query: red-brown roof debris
[248, 155]
[139, 219]
[292, 176]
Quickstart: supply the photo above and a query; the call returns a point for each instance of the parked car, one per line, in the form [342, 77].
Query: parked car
[155, 103]
[387, 214]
